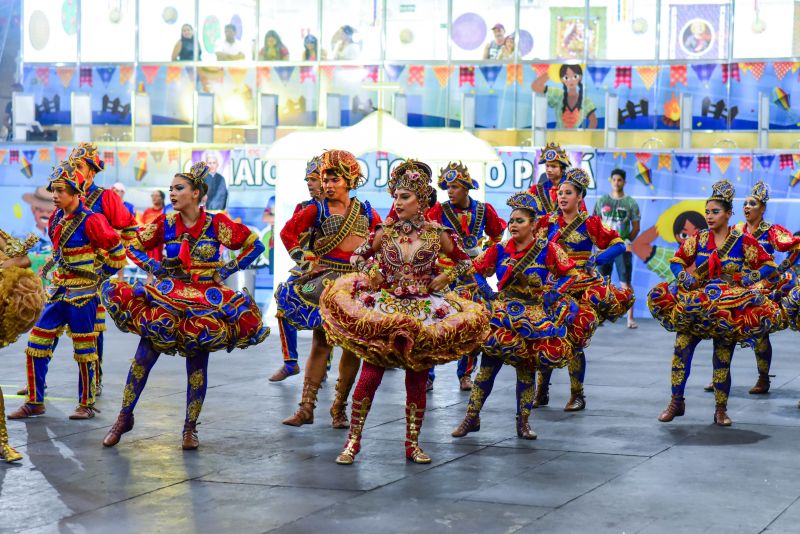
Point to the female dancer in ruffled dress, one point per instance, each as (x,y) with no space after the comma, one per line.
(714,302)
(188,310)
(533,319)
(392,314)
(21,302)
(579,233)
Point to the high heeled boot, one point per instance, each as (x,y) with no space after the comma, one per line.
(308,401)
(353,444)
(7,452)
(414,418)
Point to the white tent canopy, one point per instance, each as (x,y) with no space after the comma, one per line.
(377,132)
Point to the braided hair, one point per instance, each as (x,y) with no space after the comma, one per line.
(579,71)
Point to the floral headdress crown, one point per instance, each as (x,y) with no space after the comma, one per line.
(197,175)
(88,152)
(760,192)
(554,152)
(414,176)
(344,164)
(16,248)
(526,201)
(722,190)
(456,172)
(66,173)
(577,177)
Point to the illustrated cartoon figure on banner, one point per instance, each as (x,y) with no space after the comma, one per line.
(675,225)
(41,203)
(573,108)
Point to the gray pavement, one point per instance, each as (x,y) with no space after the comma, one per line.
(612,468)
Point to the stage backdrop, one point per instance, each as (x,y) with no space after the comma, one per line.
(668,185)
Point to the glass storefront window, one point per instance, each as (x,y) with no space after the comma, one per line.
(351,30)
(167,32)
(416,30)
(483,29)
(104,22)
(754,23)
(228,30)
(628,29)
(557,30)
(289,31)
(49,35)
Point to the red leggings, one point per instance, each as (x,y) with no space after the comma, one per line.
(370,379)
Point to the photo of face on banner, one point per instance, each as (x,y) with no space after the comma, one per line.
(219,173)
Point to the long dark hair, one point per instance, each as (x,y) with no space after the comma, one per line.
(310,39)
(278,43)
(579,71)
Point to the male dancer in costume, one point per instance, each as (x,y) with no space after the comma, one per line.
(288,332)
(470,220)
(82,242)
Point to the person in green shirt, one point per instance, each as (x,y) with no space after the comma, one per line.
(621,213)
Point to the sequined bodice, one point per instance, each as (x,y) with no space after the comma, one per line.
(406,259)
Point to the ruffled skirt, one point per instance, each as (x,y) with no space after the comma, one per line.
(409,332)
(298,298)
(21,302)
(717,310)
(186,318)
(524,332)
(608,301)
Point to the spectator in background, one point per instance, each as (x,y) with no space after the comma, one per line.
(217,197)
(344,47)
(621,213)
(507,52)
(185,48)
(310,48)
(119,189)
(274,49)
(494,47)
(229,49)
(149,215)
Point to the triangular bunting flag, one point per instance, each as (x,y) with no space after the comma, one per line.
(704,164)
(644,157)
(307,74)
(108,158)
(756,68)
(61,153)
(416,75)
(157,155)
(371,73)
(766,160)
(105,74)
(86,77)
(263,75)
(542,68)
(785,161)
(237,75)
(704,72)
(174,154)
(125,74)
(43,75)
(123,156)
(622,155)
(745,163)
(150,72)
(782,68)
(442,73)
(684,161)
(490,73)
(648,74)
(284,73)
(393,71)
(44,154)
(173,74)
(513,74)
(623,76)
(723,162)
(466,75)
(329,71)
(13,156)
(677,74)
(3,153)
(665,162)
(65,74)
(597,74)
(730,71)
(29,154)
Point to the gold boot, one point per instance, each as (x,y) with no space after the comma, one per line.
(339,406)
(353,445)
(308,401)
(7,452)
(414,419)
